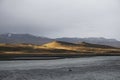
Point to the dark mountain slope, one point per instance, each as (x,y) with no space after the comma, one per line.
(23,38)
(55,44)
(102,41)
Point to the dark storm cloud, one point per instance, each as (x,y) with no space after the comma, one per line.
(56,18)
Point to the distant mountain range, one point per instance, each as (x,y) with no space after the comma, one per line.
(102,41)
(31,39)
(23,38)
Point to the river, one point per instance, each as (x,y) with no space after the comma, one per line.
(84,68)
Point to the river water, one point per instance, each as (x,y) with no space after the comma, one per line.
(85,68)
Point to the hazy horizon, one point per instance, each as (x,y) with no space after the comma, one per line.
(63,18)
(10,34)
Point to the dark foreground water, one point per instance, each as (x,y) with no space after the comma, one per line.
(89,68)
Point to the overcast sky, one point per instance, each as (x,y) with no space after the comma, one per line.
(61,18)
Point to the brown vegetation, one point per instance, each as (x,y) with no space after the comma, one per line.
(57,47)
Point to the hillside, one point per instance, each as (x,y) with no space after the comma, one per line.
(82,47)
(101,41)
(85,44)
(58,44)
(55,49)
(28,49)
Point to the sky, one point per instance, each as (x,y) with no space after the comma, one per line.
(61,18)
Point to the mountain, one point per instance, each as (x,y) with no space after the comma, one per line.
(102,41)
(23,38)
(31,39)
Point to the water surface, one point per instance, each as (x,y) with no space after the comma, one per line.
(86,68)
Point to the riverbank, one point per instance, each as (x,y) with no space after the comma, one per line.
(53,56)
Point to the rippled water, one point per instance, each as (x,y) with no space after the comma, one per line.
(89,68)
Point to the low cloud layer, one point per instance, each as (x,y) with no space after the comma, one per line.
(61,18)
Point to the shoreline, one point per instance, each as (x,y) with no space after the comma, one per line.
(49,56)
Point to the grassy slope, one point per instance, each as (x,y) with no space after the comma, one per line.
(58,48)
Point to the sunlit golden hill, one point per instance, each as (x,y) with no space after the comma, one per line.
(82,47)
(61,45)
(56,47)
